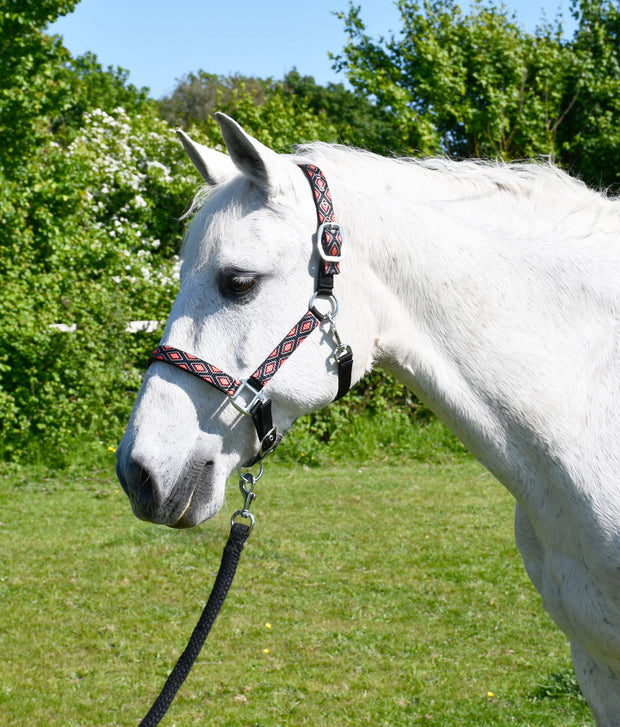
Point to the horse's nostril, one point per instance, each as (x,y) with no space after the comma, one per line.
(138,483)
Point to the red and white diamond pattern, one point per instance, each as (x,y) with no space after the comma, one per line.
(196,366)
(286,347)
(332,244)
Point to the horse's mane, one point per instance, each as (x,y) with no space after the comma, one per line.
(523,179)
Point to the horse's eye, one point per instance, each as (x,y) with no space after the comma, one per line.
(237,285)
(242,285)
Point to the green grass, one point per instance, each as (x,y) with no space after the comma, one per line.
(395,596)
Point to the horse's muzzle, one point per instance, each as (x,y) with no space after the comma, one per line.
(179,506)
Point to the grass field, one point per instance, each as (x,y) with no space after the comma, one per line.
(380,595)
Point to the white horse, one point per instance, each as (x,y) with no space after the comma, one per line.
(492,291)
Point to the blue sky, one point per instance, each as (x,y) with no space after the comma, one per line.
(159,41)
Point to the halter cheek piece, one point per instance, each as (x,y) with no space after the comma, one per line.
(248,395)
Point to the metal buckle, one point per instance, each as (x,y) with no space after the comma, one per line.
(342,352)
(257,396)
(333,228)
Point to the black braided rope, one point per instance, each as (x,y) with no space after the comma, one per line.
(230,559)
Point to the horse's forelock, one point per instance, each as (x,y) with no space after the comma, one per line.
(215,206)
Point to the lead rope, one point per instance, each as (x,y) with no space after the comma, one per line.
(239,533)
(329,244)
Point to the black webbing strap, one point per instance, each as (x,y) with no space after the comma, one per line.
(345,369)
(267,434)
(230,559)
(325,279)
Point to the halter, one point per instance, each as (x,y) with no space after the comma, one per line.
(247,395)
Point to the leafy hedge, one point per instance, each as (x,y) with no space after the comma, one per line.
(87,244)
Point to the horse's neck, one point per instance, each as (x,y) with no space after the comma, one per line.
(444,291)
(479,313)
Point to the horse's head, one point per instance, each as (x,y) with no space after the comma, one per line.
(250,266)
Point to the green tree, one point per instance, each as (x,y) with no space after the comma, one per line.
(34,82)
(93,87)
(357,121)
(463,84)
(88,235)
(197,96)
(266,109)
(589,136)
(43,88)
(477,84)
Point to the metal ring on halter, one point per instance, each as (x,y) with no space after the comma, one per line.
(246,475)
(333,302)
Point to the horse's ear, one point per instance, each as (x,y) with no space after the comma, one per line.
(214,167)
(255,160)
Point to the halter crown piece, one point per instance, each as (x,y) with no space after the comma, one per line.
(248,395)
